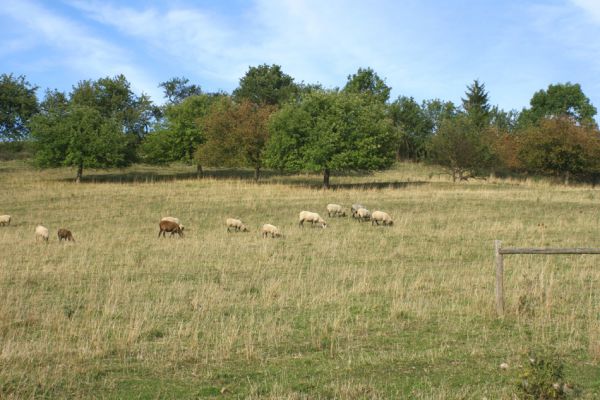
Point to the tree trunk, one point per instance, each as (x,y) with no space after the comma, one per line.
(567,177)
(326,178)
(79,173)
(256,174)
(199,171)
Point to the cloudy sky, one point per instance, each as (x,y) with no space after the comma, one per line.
(423,48)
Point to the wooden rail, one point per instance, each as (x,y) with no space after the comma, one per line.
(500,252)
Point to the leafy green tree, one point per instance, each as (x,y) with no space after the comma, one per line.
(437,111)
(68,134)
(560,100)
(179,134)
(18,103)
(266,85)
(560,148)
(461,149)
(413,127)
(505,121)
(236,135)
(365,80)
(476,105)
(178,89)
(331,131)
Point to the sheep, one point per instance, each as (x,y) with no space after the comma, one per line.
(41,232)
(268,229)
(169,226)
(363,214)
(4,220)
(173,219)
(236,224)
(336,210)
(65,234)
(355,208)
(380,216)
(313,218)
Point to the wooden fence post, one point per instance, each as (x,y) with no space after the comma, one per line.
(499,278)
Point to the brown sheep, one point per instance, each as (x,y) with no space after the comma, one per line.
(169,226)
(65,234)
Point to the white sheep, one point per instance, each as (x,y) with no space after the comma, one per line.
(363,214)
(236,224)
(336,210)
(381,217)
(268,229)
(312,217)
(173,219)
(4,220)
(41,232)
(355,208)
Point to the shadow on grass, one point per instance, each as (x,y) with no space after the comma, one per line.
(266,177)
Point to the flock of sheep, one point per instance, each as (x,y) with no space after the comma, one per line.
(41,232)
(358,211)
(173,226)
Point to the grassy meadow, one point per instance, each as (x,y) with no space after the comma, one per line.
(349,312)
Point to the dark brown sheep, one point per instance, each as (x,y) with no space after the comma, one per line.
(169,226)
(65,234)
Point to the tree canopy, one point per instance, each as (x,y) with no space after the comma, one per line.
(560,100)
(266,84)
(366,81)
(560,148)
(18,103)
(178,89)
(331,131)
(413,127)
(69,134)
(461,149)
(236,135)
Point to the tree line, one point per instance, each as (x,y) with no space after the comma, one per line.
(271,121)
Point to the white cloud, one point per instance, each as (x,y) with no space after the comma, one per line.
(71,46)
(312,40)
(591,7)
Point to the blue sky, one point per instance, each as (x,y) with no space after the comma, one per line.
(423,48)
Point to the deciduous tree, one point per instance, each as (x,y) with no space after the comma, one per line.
(461,149)
(366,81)
(331,131)
(560,100)
(68,134)
(560,148)
(266,84)
(18,103)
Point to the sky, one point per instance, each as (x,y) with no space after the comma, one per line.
(422,48)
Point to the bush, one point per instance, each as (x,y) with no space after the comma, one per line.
(542,378)
(16,150)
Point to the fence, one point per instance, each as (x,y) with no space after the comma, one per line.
(500,252)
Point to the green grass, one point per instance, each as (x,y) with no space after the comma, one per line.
(350,312)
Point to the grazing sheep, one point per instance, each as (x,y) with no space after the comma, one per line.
(268,229)
(355,208)
(336,210)
(170,226)
(173,219)
(4,220)
(313,218)
(363,214)
(236,224)
(41,232)
(65,234)
(380,216)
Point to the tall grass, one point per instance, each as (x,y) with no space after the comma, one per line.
(351,311)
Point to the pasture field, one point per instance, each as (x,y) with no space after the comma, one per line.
(348,312)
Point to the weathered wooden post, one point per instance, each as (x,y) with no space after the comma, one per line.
(499,278)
